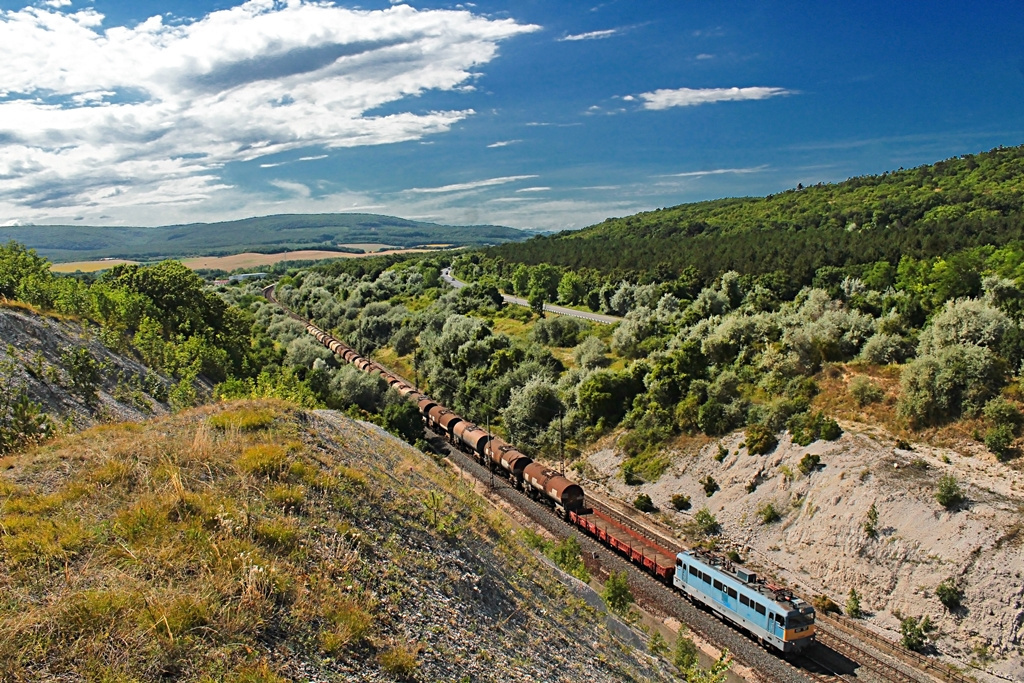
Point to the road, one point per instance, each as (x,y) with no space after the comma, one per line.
(447,276)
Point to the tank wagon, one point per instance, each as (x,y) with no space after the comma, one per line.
(768,612)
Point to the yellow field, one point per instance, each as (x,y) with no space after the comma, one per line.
(229,263)
(86,266)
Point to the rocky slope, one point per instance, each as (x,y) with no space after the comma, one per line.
(74,377)
(254,541)
(819,544)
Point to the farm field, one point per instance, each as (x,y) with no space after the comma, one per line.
(244,260)
(87,266)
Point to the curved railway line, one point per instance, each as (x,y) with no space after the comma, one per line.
(837,655)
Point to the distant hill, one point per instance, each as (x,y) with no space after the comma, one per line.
(964,202)
(263,234)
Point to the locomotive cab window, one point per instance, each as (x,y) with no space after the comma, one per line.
(694,572)
(759,607)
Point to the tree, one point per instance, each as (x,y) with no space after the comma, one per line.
(403,419)
(530,410)
(657,645)
(571,288)
(871,522)
(853,605)
(685,655)
(616,593)
(705,522)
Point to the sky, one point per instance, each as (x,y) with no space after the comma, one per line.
(530,114)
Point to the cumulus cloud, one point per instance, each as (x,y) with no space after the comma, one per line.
(92,115)
(688,97)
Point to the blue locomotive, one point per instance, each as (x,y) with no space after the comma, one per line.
(769,612)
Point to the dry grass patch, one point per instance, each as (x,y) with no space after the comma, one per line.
(244,419)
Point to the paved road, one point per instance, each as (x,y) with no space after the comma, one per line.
(447,276)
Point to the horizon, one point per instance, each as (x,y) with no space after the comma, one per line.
(527,116)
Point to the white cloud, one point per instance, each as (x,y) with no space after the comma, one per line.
(474,185)
(717,171)
(95,115)
(533,189)
(297,189)
(705,55)
(502,143)
(591,35)
(57,3)
(688,97)
(315,157)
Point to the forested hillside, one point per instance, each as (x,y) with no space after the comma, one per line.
(926,212)
(268,234)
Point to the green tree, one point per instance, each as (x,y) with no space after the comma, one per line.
(871,522)
(684,657)
(616,593)
(853,609)
(643,503)
(657,645)
(571,288)
(402,418)
(705,523)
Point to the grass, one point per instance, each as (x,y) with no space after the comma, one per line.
(231,543)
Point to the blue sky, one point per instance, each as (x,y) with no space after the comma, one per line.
(530,114)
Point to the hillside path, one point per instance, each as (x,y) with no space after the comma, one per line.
(447,276)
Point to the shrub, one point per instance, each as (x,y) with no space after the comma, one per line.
(864,391)
(825,604)
(949,594)
(809,463)
(915,632)
(767,513)
(999,440)
(643,503)
(807,428)
(705,523)
(956,380)
(949,494)
(710,485)
(760,439)
(569,558)
(1002,412)
(680,501)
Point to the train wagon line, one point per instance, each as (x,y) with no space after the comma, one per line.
(770,613)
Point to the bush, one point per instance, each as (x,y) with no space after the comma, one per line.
(680,501)
(825,604)
(864,391)
(999,440)
(955,381)
(705,523)
(949,493)
(915,632)
(760,439)
(767,513)
(949,594)
(807,428)
(643,503)
(809,463)
(710,485)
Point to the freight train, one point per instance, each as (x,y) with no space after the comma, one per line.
(770,613)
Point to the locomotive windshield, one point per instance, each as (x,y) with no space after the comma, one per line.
(798,619)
